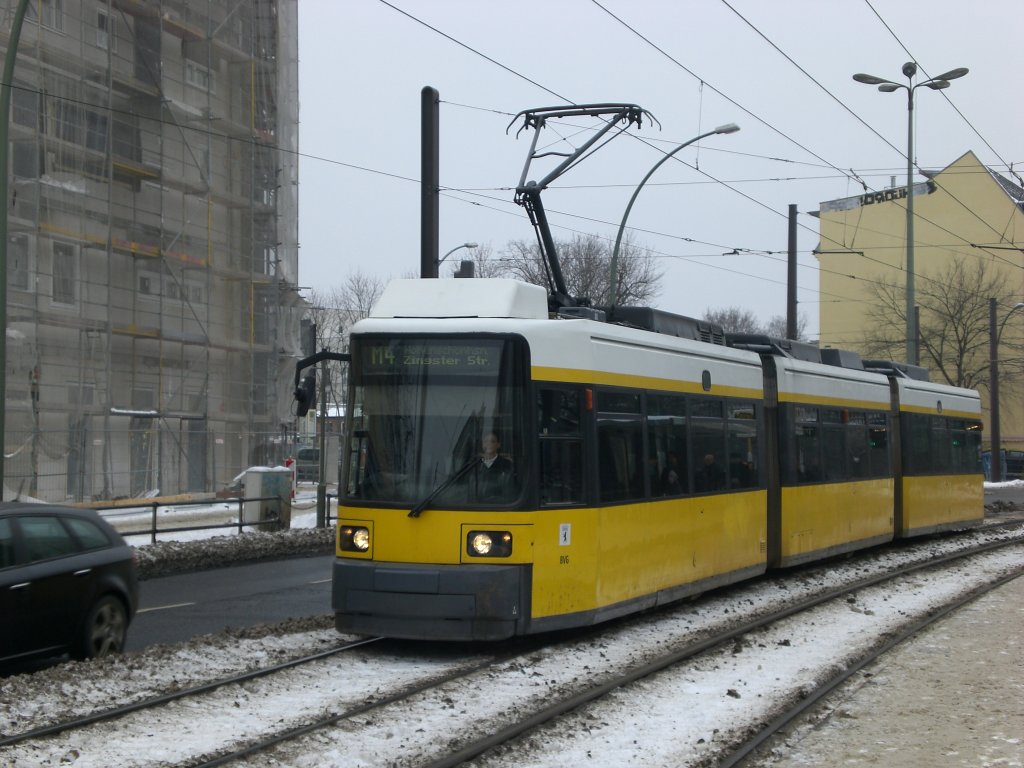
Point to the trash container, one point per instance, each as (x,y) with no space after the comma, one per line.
(272,486)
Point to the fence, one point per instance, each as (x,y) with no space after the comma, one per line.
(145,519)
(107,459)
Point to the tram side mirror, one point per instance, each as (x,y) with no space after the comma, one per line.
(466,269)
(305,394)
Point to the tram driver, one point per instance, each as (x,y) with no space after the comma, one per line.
(494,478)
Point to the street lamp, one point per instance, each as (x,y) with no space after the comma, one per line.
(995,464)
(5,114)
(614,281)
(453,250)
(887,86)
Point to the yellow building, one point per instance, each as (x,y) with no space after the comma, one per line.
(968,248)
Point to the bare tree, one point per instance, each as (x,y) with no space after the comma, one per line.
(734,320)
(585,261)
(777,326)
(954,323)
(335,311)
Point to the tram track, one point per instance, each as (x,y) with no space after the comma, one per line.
(184,693)
(806,700)
(546,691)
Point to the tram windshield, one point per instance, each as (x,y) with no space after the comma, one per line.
(436,419)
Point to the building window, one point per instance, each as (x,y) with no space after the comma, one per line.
(17,261)
(106,28)
(25,107)
(53,14)
(65,273)
(96,131)
(199,76)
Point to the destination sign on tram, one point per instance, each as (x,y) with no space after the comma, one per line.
(443,357)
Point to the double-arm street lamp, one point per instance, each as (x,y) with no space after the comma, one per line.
(614,278)
(888,86)
(994,334)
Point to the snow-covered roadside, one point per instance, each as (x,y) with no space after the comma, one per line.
(184,551)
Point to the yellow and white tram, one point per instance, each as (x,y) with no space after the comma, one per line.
(510,471)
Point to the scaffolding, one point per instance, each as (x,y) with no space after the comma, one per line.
(153,312)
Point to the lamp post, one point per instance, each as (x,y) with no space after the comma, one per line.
(614,278)
(994,334)
(5,114)
(888,86)
(453,250)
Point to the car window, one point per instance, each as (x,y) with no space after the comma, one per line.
(45,537)
(6,543)
(88,533)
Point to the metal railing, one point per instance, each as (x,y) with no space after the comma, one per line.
(128,518)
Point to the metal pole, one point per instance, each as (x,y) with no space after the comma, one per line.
(995,465)
(5,118)
(791,323)
(430,180)
(321,486)
(912,357)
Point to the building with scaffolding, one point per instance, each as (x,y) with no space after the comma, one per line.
(153,312)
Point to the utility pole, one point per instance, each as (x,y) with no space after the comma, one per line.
(791,320)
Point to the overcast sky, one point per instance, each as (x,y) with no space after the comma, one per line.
(781,70)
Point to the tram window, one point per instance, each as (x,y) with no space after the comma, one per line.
(561,471)
(962,460)
(806,467)
(618,402)
(743,411)
(742,436)
(707,407)
(620,458)
(878,445)
(831,416)
(920,453)
(558,411)
(857,444)
(708,462)
(666,445)
(806,415)
(833,448)
(942,445)
(561,445)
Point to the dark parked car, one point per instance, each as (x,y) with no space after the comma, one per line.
(67,583)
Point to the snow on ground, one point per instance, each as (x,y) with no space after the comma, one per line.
(672,719)
(675,718)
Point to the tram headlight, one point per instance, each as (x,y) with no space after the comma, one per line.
(489,543)
(354,538)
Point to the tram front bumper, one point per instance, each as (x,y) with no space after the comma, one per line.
(431,602)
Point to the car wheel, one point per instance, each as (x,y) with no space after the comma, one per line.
(105,629)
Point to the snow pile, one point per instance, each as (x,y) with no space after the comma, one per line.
(165,558)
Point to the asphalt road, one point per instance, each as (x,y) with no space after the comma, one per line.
(177,608)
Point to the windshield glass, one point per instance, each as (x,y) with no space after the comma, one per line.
(430,412)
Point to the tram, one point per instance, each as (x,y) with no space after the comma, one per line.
(518,461)
(512,472)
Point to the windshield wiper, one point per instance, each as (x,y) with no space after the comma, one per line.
(452,478)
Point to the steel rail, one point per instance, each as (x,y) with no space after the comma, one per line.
(156,701)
